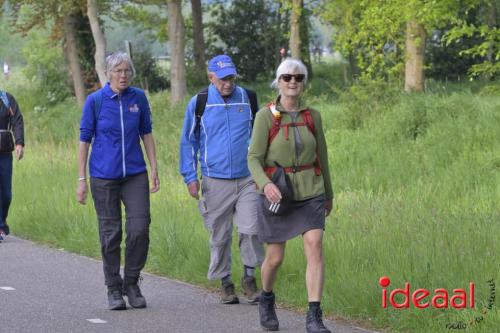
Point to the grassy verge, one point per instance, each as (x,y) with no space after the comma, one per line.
(417,183)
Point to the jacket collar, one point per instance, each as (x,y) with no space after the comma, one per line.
(234,95)
(111,94)
(280,108)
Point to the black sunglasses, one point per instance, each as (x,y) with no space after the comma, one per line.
(288,77)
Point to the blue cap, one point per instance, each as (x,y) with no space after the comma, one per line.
(222,66)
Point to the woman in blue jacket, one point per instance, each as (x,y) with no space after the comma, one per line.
(114,120)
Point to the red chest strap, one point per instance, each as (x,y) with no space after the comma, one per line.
(276,126)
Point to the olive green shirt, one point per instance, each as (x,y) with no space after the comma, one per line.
(306,184)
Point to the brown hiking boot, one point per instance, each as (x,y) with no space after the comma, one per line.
(228,296)
(249,285)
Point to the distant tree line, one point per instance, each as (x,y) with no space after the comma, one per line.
(401,40)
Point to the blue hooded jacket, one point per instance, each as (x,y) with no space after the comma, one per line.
(121,122)
(224,137)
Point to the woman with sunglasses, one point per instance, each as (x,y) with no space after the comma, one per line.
(289,134)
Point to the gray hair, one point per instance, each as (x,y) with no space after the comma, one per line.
(289,66)
(114,60)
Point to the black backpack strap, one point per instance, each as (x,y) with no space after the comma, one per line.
(201,101)
(254,106)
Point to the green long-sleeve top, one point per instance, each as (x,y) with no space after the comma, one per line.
(306,184)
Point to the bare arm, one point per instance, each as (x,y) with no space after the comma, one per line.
(82,189)
(149,145)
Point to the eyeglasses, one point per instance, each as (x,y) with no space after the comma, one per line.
(229,78)
(120,72)
(288,77)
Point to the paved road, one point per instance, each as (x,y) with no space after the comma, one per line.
(46,290)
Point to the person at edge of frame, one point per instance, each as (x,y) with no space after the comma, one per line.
(11,122)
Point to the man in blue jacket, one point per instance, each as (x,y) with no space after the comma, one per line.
(219,138)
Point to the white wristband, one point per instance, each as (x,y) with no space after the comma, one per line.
(81,179)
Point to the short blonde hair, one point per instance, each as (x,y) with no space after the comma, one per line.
(289,66)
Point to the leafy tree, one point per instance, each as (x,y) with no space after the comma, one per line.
(43,66)
(487,31)
(445,60)
(250,31)
(64,17)
(149,76)
(387,35)
(345,17)
(146,16)
(12,43)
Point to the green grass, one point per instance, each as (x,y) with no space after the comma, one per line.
(417,184)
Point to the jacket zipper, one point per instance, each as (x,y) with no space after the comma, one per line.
(229,141)
(123,136)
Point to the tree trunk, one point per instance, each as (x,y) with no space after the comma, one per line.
(353,66)
(198,39)
(279,37)
(176,34)
(415,56)
(305,55)
(100,41)
(295,28)
(71,51)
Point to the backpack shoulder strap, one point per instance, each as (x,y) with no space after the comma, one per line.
(4,98)
(201,101)
(254,106)
(308,119)
(275,128)
(97,96)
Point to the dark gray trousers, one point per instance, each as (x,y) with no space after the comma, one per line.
(108,194)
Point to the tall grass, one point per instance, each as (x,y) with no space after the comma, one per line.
(417,184)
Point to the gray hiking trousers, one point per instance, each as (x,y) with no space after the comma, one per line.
(223,202)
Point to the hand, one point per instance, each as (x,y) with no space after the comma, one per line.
(328,206)
(272,192)
(155,182)
(19,152)
(194,188)
(81,192)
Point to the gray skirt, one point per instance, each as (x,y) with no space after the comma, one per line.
(303,216)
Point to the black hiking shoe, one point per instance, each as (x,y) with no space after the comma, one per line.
(115,298)
(267,313)
(249,286)
(228,296)
(6,228)
(134,296)
(314,322)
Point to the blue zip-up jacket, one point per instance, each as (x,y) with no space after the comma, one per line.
(224,137)
(121,122)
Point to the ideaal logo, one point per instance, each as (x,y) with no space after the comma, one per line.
(439,299)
